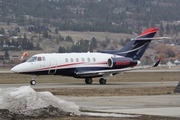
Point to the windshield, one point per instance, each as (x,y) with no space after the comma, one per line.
(32,59)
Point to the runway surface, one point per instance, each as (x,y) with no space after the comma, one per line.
(161,105)
(95,85)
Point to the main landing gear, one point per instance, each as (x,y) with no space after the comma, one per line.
(102,81)
(33,81)
(89,81)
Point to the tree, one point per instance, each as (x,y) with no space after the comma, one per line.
(68,39)
(38,47)
(161,30)
(122,42)
(167,29)
(61,49)
(93,43)
(2,31)
(56,31)
(45,34)
(6,55)
(168,51)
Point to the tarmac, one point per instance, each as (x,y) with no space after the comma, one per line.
(159,105)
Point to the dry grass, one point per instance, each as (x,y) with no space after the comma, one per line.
(98,35)
(144,117)
(110,91)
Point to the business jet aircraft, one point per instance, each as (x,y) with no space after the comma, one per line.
(89,65)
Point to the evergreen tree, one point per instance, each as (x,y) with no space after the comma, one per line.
(2,31)
(167,29)
(93,42)
(6,55)
(68,39)
(38,47)
(45,34)
(61,49)
(161,30)
(56,31)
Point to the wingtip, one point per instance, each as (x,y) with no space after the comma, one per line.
(159,59)
(157,62)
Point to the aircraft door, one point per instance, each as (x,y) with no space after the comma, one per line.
(53,66)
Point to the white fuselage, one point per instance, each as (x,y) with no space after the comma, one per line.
(54,61)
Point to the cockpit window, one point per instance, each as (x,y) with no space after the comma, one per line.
(39,59)
(32,59)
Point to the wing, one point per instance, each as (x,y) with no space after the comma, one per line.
(114,71)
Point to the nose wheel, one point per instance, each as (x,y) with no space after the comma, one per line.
(33,81)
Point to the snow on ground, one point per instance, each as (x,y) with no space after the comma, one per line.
(25,102)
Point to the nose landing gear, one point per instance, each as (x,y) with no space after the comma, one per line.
(33,81)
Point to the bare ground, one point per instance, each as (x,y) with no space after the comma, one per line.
(126,77)
(110,91)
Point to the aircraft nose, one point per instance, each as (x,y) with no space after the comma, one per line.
(14,69)
(17,68)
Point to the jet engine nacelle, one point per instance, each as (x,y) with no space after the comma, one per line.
(121,62)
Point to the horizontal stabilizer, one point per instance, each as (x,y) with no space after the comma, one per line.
(155,38)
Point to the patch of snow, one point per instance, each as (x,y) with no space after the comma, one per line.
(107,115)
(25,100)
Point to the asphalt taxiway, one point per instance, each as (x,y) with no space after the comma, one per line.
(160,105)
(95,85)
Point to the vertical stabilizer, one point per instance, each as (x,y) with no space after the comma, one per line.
(137,46)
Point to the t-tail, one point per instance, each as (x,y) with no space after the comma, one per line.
(137,46)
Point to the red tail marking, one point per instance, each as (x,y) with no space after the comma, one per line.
(150,30)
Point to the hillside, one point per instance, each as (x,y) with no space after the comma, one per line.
(71,25)
(51,45)
(122,16)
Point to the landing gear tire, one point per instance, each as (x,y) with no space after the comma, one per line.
(33,82)
(102,81)
(88,80)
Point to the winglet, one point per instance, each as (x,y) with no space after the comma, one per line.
(157,62)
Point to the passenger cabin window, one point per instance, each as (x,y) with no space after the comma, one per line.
(77,60)
(71,60)
(32,59)
(94,59)
(82,59)
(88,59)
(43,58)
(66,60)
